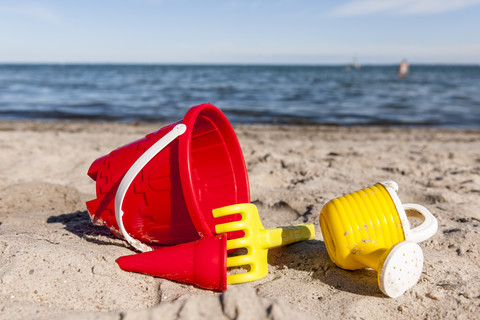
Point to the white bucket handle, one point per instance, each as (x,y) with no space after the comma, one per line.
(428,227)
(134,170)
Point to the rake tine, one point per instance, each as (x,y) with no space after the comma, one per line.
(237,243)
(244,277)
(230,226)
(229,210)
(238,261)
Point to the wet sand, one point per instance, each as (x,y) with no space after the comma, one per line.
(55,264)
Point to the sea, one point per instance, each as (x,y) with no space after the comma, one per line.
(440,96)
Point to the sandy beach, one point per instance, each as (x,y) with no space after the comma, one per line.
(55,264)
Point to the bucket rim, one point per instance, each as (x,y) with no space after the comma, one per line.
(185,165)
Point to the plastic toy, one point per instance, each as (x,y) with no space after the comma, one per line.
(161,189)
(201,262)
(257,240)
(370,229)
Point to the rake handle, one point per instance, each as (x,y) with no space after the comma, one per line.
(277,237)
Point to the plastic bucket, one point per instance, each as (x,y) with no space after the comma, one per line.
(170,198)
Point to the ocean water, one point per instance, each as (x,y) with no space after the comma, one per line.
(430,96)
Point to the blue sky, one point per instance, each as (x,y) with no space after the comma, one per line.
(234,31)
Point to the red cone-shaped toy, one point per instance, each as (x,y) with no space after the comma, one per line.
(202,263)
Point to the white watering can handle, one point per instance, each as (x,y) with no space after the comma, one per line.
(428,227)
(148,155)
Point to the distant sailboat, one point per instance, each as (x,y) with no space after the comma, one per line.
(356,65)
(403,69)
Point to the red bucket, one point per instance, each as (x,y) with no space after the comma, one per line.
(169,198)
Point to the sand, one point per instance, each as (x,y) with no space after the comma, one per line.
(55,264)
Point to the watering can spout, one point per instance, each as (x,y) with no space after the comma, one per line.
(370,255)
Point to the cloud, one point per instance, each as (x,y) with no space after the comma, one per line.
(31,10)
(399,7)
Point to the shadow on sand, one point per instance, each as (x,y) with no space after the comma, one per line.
(311,256)
(79,224)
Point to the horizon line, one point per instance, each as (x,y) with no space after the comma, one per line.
(236,63)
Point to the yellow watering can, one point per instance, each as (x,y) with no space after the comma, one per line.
(370,229)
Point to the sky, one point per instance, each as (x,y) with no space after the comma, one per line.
(240,31)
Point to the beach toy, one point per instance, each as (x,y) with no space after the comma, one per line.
(370,229)
(162,189)
(201,263)
(257,240)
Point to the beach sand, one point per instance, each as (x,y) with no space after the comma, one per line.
(55,264)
